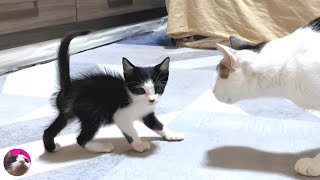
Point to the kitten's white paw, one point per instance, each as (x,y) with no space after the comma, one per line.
(173,136)
(58,147)
(140,146)
(99,147)
(308,166)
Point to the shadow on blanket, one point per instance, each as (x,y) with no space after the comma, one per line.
(75,152)
(245,158)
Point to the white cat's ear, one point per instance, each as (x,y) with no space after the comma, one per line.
(128,67)
(236,42)
(164,65)
(229,60)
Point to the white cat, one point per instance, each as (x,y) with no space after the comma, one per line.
(288,67)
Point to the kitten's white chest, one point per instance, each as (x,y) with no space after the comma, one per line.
(135,111)
(140,109)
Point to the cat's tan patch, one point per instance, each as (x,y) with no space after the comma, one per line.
(225,67)
(223,71)
(229,59)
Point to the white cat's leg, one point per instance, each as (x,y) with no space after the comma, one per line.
(153,123)
(127,128)
(99,147)
(308,166)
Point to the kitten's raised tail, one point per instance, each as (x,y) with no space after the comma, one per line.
(63,59)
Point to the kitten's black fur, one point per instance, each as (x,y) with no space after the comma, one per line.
(95,96)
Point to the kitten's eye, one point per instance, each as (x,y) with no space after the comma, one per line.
(140,90)
(158,89)
(26,160)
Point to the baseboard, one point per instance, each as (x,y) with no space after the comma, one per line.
(20,57)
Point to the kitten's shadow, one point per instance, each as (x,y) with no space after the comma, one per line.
(75,152)
(245,158)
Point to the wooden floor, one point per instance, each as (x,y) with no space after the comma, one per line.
(43,34)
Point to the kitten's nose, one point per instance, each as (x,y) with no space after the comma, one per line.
(151,100)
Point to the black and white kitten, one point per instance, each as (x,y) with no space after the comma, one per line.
(98,98)
(16,165)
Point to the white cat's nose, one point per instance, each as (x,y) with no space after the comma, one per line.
(151,100)
(213,90)
(217,97)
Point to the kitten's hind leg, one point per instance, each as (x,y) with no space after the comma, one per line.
(153,123)
(89,127)
(127,128)
(98,147)
(52,131)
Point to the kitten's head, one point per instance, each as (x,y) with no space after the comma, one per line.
(16,165)
(146,82)
(233,73)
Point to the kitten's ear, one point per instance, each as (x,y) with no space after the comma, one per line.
(164,65)
(8,155)
(128,67)
(236,42)
(229,60)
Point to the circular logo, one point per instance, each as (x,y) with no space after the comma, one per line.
(17,162)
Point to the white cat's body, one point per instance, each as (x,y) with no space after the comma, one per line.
(292,72)
(288,67)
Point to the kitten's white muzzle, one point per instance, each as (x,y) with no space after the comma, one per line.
(153,98)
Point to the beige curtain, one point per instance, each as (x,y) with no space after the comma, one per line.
(253,20)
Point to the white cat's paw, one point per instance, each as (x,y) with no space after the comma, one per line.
(57,148)
(173,136)
(308,166)
(140,146)
(98,147)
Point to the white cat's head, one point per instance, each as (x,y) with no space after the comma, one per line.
(233,72)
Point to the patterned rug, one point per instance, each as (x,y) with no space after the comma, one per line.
(257,139)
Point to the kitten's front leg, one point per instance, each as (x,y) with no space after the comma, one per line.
(153,123)
(131,135)
(308,166)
